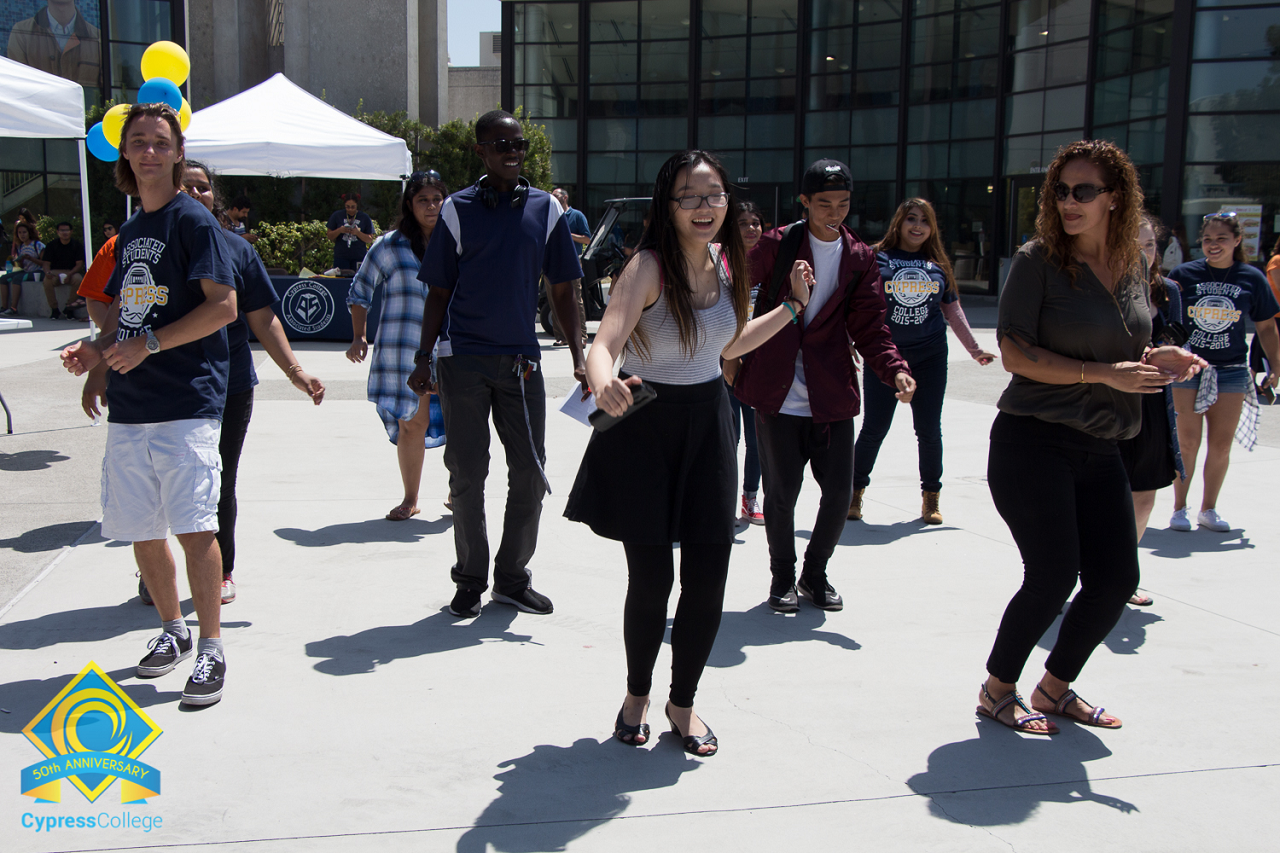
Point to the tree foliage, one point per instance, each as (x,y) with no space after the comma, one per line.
(293,245)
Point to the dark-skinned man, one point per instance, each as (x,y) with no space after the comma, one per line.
(494,241)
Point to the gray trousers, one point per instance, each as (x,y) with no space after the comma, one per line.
(471,388)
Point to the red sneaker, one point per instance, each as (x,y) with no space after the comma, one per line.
(751,510)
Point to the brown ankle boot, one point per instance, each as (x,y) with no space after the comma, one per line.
(855,506)
(929,512)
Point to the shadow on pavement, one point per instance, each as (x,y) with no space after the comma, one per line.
(24,699)
(1124,639)
(93,625)
(1176,544)
(51,538)
(862,533)
(556,794)
(363,532)
(30,460)
(439,632)
(760,626)
(1001,777)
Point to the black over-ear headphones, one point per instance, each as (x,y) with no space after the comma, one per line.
(489,196)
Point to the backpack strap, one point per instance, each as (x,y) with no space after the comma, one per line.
(788,250)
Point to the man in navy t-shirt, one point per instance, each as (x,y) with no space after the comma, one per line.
(581,233)
(351,231)
(494,241)
(165,346)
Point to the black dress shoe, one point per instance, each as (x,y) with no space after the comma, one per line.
(785,603)
(820,594)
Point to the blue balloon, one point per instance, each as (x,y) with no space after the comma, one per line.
(158,90)
(99,146)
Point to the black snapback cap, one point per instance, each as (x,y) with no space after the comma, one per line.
(826,175)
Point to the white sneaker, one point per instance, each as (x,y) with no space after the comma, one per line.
(1210,520)
(1180,520)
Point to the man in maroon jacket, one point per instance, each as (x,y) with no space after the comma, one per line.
(802,383)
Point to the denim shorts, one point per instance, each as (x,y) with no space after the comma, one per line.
(1235,379)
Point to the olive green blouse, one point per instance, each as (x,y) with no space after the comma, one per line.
(1040,305)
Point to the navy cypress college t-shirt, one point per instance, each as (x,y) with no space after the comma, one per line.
(491,260)
(1214,305)
(161,258)
(914,290)
(253,291)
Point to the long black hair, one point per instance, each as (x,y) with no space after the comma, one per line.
(408,224)
(662,237)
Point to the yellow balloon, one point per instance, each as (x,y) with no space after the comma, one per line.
(113,123)
(184,115)
(168,60)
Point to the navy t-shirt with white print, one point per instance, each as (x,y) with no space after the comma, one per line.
(491,260)
(1214,305)
(914,290)
(253,291)
(161,258)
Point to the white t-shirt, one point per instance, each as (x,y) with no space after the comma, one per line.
(826,273)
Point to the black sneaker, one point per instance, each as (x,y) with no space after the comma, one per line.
(143,594)
(465,604)
(56,315)
(820,594)
(204,687)
(785,603)
(526,600)
(166,651)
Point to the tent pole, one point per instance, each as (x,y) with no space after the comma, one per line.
(84,210)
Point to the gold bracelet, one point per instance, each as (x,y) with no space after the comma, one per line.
(1082,380)
(293,368)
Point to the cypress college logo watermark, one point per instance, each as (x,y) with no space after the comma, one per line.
(91,734)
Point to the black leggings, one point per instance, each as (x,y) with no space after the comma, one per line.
(235,426)
(1066,499)
(650,574)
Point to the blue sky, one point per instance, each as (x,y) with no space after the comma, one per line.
(467,19)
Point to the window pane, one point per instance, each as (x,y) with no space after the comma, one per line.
(871,126)
(724,17)
(1037,22)
(721,132)
(1066,64)
(664,99)
(551,22)
(1230,86)
(612,101)
(1135,49)
(772,96)
(724,58)
(721,98)
(564,167)
(664,134)
(62,155)
(832,13)
(1236,34)
(930,7)
(831,50)
(972,119)
(664,60)
(977,78)
(615,63)
(144,21)
(1119,13)
(611,134)
(972,159)
(771,131)
(928,161)
(664,19)
(931,83)
(1021,153)
(980,32)
(126,76)
(1064,108)
(22,155)
(773,55)
(615,21)
(1146,142)
(870,163)
(931,39)
(648,167)
(771,166)
(773,16)
(1232,138)
(873,11)
(611,168)
(826,128)
(1024,113)
(542,64)
(549,101)
(830,91)
(561,133)
(1028,70)
(879,46)
(929,123)
(876,88)
(871,208)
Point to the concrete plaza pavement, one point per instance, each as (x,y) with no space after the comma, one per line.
(359,715)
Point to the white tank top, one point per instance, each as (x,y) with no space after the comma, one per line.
(667,361)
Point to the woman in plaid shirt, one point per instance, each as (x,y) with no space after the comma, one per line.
(393,261)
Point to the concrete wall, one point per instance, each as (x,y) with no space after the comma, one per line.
(230,48)
(474,91)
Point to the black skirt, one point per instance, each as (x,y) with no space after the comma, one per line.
(665,474)
(1148,456)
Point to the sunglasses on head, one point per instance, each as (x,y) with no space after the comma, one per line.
(1083,193)
(505,146)
(423,177)
(1226,216)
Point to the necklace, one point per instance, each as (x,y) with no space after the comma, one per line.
(1225,273)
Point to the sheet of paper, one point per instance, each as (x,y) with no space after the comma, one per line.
(577,408)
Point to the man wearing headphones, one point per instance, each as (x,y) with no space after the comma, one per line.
(493,242)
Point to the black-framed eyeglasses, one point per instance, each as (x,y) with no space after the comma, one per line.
(1083,193)
(423,177)
(505,146)
(1225,216)
(693,202)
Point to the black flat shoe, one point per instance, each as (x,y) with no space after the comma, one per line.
(620,729)
(691,743)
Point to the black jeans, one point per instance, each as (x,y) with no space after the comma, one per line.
(1066,499)
(235,426)
(787,443)
(929,368)
(650,574)
(471,388)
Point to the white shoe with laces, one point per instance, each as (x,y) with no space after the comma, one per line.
(1210,520)
(1179,521)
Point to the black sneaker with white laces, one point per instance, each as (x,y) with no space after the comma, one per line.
(465,604)
(527,600)
(784,601)
(820,594)
(204,687)
(165,652)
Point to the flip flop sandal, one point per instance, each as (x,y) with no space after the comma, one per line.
(402,513)
(1139,599)
(640,730)
(1019,724)
(1093,719)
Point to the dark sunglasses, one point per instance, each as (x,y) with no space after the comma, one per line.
(422,177)
(504,146)
(1226,216)
(1083,193)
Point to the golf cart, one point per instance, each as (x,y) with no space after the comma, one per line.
(619,228)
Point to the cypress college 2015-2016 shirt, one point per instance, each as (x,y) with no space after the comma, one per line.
(914,290)
(1214,305)
(163,255)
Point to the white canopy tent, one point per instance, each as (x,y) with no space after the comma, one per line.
(37,105)
(278,129)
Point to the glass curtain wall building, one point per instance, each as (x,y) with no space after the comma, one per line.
(963,102)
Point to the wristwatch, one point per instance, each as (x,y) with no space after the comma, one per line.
(421,354)
(153,343)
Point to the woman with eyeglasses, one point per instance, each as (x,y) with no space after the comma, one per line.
(1074,330)
(1218,292)
(667,472)
(923,300)
(393,264)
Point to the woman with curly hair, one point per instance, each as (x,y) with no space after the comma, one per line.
(1074,327)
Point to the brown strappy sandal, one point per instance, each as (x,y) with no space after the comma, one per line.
(1094,718)
(1019,724)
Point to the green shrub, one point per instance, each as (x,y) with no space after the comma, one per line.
(47,228)
(294,245)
